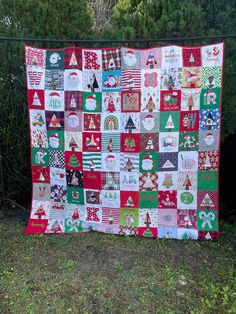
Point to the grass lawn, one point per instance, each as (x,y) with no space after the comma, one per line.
(99,273)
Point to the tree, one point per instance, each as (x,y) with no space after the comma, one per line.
(187,183)
(147,221)
(40,212)
(150,105)
(130,125)
(129,165)
(73,145)
(73,161)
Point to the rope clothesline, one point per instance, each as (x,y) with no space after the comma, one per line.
(72,41)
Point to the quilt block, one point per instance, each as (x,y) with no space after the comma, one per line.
(125,141)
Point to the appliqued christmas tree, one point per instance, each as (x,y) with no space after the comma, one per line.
(207,163)
(72,102)
(187,183)
(111,107)
(73,161)
(207,202)
(55,227)
(150,106)
(149,144)
(129,165)
(147,220)
(92,125)
(148,185)
(73,60)
(148,233)
(55,122)
(73,145)
(129,202)
(208,236)
(110,182)
(129,142)
(169,124)
(36,100)
(191,59)
(130,125)
(40,212)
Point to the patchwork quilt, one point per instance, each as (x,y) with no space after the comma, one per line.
(125,141)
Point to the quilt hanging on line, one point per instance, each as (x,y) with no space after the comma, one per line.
(125,141)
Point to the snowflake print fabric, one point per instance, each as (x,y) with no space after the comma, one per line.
(125,141)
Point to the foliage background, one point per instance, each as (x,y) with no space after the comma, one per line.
(101,19)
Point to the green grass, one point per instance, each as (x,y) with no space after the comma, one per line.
(98,273)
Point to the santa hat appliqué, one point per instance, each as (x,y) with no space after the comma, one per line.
(54,94)
(147,157)
(72,114)
(149,116)
(91,97)
(129,52)
(54,135)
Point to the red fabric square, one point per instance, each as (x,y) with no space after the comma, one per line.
(130,143)
(36,99)
(92,142)
(147,232)
(40,174)
(167,199)
(129,199)
(73,160)
(191,57)
(189,120)
(73,58)
(170,100)
(92,180)
(36,226)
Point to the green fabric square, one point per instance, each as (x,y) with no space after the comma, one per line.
(188,141)
(56,140)
(75,195)
(207,219)
(210,98)
(72,226)
(207,180)
(148,162)
(169,121)
(129,214)
(148,199)
(92,102)
(55,59)
(40,157)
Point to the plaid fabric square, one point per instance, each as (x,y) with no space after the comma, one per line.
(110,180)
(111,59)
(73,100)
(73,58)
